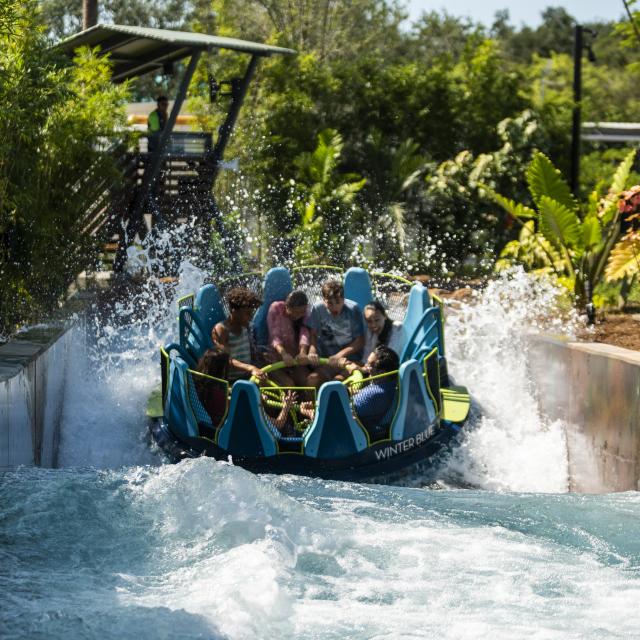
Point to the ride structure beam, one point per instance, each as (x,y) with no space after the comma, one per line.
(238,94)
(152,171)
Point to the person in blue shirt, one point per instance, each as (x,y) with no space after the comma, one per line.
(337,333)
(372,402)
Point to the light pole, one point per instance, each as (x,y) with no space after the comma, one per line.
(89,13)
(578,47)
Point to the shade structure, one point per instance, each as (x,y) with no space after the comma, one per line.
(139,50)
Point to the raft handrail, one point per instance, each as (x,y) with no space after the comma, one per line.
(272,401)
(402,279)
(241,275)
(425,375)
(440,303)
(188,300)
(328,267)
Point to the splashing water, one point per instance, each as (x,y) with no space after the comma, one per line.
(113,370)
(206,550)
(509,445)
(117,546)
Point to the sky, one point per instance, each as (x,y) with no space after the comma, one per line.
(520,11)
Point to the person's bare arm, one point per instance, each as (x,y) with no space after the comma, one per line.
(220,336)
(350,349)
(288,401)
(312,354)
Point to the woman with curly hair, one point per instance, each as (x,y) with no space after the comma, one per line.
(232,334)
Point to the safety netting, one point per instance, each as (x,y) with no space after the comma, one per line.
(393,292)
(209,398)
(311,278)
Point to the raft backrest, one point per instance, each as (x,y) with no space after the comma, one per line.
(416,410)
(419,302)
(334,432)
(357,286)
(210,307)
(426,336)
(178,410)
(194,338)
(244,432)
(277,286)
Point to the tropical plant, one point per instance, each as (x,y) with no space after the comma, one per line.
(624,261)
(324,199)
(55,121)
(571,239)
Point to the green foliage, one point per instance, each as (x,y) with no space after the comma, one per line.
(624,261)
(457,213)
(446,98)
(325,201)
(545,180)
(582,235)
(54,123)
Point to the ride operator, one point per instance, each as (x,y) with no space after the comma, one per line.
(157,121)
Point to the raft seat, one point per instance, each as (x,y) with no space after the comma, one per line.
(334,432)
(277,286)
(357,286)
(210,307)
(416,410)
(245,432)
(179,410)
(194,338)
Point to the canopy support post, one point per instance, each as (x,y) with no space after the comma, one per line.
(239,92)
(152,171)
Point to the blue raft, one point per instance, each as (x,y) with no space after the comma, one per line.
(426,413)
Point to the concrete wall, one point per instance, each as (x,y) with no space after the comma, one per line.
(32,374)
(595,388)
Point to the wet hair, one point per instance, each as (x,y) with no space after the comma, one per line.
(214,363)
(332,290)
(385,334)
(386,360)
(240,298)
(297,299)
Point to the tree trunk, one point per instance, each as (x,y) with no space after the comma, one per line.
(89,13)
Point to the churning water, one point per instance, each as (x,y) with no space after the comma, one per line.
(116,544)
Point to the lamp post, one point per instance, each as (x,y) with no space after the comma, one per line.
(578,47)
(89,13)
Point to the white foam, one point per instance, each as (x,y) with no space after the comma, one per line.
(511,447)
(111,377)
(340,561)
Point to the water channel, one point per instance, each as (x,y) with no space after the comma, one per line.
(489,543)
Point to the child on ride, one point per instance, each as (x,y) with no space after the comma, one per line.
(289,338)
(214,363)
(232,335)
(213,393)
(372,401)
(337,332)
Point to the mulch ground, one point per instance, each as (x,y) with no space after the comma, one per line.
(619,329)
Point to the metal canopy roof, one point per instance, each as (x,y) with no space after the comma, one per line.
(138,50)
